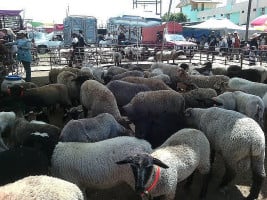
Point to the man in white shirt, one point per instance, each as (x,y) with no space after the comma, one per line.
(109,39)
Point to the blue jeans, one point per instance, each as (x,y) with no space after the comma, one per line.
(27,67)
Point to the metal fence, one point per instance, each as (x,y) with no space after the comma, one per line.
(104,55)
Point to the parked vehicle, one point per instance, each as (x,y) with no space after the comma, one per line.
(45,42)
(168,36)
(74,23)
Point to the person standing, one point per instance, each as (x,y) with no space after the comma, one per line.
(109,39)
(235,45)
(81,45)
(121,38)
(229,42)
(24,55)
(212,41)
(75,51)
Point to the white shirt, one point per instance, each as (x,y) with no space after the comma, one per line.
(75,40)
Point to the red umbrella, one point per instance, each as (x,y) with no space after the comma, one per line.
(259,21)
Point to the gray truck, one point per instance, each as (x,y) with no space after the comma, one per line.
(74,23)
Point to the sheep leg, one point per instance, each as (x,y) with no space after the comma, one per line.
(256,186)
(212,156)
(258,175)
(85,111)
(205,184)
(229,175)
(189,181)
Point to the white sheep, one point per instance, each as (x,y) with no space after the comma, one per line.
(259,89)
(117,57)
(238,138)
(40,187)
(98,128)
(167,55)
(180,155)
(93,165)
(248,104)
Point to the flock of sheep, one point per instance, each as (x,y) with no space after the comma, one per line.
(149,128)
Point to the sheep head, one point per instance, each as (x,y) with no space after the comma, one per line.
(142,167)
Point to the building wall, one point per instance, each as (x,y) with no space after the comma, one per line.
(236,12)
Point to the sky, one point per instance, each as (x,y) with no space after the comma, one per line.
(54,11)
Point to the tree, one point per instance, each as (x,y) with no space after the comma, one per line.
(177,17)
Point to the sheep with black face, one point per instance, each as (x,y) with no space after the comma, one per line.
(179,156)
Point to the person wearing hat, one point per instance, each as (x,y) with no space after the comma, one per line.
(212,42)
(254,40)
(252,55)
(24,55)
(235,46)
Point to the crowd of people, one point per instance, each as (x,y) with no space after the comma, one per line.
(231,44)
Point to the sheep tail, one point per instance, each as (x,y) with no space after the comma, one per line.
(258,146)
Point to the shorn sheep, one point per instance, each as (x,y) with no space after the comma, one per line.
(92,165)
(40,187)
(153,84)
(117,57)
(216,82)
(101,127)
(125,91)
(259,89)
(97,98)
(238,138)
(22,129)
(156,114)
(180,155)
(47,95)
(248,104)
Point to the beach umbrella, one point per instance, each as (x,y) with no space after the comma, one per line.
(259,21)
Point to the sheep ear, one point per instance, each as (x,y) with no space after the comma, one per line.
(125,161)
(187,112)
(160,163)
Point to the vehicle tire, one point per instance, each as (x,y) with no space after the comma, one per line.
(42,49)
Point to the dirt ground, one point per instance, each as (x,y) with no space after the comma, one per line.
(237,190)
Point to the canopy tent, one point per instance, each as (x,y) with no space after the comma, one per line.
(36,24)
(10,12)
(216,24)
(136,21)
(11,19)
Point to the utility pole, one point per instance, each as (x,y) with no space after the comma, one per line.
(169,11)
(248,19)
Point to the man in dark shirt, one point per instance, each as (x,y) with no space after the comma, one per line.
(121,38)
(81,44)
(212,41)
